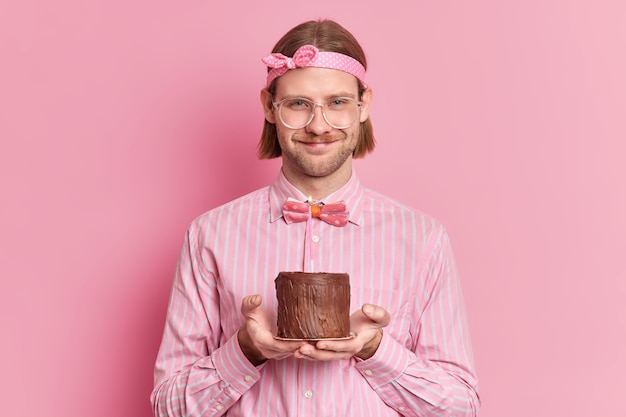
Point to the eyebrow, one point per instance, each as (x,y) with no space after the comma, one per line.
(327,97)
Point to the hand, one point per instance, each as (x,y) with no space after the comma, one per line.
(255,336)
(367,323)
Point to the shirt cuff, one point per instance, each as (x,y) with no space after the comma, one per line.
(234,368)
(387,364)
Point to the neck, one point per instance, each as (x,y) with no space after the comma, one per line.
(319,188)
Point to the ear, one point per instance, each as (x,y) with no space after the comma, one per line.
(366,99)
(268,107)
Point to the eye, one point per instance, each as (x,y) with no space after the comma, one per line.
(297,104)
(338,103)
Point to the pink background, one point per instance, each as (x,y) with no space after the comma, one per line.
(121,121)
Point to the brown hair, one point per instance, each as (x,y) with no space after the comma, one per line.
(327,36)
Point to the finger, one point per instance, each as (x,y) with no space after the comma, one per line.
(311,353)
(285,348)
(376,314)
(249,303)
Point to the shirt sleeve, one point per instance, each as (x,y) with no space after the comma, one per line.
(195,375)
(435,376)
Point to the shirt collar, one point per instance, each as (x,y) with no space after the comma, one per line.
(351,193)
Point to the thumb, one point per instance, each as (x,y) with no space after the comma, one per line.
(377,314)
(250,303)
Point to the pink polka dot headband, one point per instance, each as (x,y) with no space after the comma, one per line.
(310,56)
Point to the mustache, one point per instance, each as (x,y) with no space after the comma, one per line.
(317,139)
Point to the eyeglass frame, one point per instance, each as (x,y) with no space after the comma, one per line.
(277,105)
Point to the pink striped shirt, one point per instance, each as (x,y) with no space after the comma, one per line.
(396,257)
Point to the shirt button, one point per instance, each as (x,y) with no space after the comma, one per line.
(247,378)
(401,408)
(368,372)
(308,394)
(316,239)
(219,407)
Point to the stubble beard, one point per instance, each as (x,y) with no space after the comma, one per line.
(312,166)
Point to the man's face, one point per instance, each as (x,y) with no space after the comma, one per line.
(317,150)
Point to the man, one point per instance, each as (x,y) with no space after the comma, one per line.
(411,355)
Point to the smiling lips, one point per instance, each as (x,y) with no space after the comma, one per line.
(317,140)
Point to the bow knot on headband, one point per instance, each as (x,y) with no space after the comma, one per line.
(301,58)
(310,56)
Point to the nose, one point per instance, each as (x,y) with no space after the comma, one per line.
(318,125)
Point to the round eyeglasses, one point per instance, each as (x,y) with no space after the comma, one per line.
(338,112)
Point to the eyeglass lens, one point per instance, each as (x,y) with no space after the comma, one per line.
(339,112)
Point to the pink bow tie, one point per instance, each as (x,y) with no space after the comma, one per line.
(334,213)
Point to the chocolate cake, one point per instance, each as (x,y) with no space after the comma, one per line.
(313,305)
